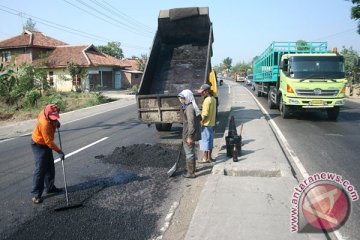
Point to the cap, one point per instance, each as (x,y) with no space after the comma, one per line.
(204,87)
(52,111)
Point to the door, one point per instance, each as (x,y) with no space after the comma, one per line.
(117,80)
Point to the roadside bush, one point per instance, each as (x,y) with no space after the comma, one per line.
(96,99)
(134,89)
(55,98)
(31,98)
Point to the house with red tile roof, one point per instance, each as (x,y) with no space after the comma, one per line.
(131,75)
(102,71)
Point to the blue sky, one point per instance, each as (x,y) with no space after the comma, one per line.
(242,29)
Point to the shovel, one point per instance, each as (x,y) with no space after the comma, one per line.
(174,168)
(68,206)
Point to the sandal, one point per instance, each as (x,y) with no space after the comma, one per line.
(204,161)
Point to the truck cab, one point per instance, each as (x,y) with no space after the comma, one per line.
(312,81)
(297,77)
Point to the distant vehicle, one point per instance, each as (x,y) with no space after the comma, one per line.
(240,76)
(249,79)
(300,79)
(253,85)
(221,82)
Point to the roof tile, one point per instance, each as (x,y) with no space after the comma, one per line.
(31,39)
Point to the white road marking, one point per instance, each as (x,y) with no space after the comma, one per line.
(29,133)
(289,149)
(95,114)
(6,140)
(80,149)
(167,220)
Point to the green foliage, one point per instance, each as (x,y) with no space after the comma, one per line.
(55,98)
(31,97)
(352,69)
(30,25)
(227,63)
(8,79)
(240,67)
(112,49)
(302,45)
(134,89)
(75,70)
(141,62)
(98,99)
(355,12)
(15,82)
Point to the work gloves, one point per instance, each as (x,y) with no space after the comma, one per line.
(61,155)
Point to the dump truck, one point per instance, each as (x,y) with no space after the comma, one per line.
(180,58)
(301,77)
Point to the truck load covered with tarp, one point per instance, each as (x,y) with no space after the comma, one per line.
(180,59)
(301,76)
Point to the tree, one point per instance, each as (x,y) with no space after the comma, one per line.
(77,73)
(240,67)
(16,82)
(352,68)
(302,45)
(112,49)
(227,63)
(355,12)
(30,26)
(140,62)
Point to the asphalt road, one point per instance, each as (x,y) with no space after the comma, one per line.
(327,146)
(120,201)
(89,180)
(132,203)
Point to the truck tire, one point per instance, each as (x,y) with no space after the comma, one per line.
(271,104)
(158,127)
(284,110)
(333,113)
(258,93)
(163,127)
(166,127)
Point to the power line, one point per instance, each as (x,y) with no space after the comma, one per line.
(133,24)
(335,34)
(127,18)
(115,21)
(64,28)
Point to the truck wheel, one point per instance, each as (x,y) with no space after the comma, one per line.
(163,127)
(333,113)
(271,104)
(159,127)
(166,127)
(284,110)
(258,93)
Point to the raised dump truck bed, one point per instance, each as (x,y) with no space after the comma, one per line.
(179,59)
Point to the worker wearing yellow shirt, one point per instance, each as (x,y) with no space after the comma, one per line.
(208,115)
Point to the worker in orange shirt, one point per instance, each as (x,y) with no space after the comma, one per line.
(42,145)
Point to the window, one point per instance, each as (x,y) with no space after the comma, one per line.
(76,81)
(5,56)
(51,79)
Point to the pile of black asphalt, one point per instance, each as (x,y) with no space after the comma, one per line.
(128,203)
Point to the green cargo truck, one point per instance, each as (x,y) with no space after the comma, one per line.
(301,77)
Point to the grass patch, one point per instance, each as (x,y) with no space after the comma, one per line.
(68,101)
